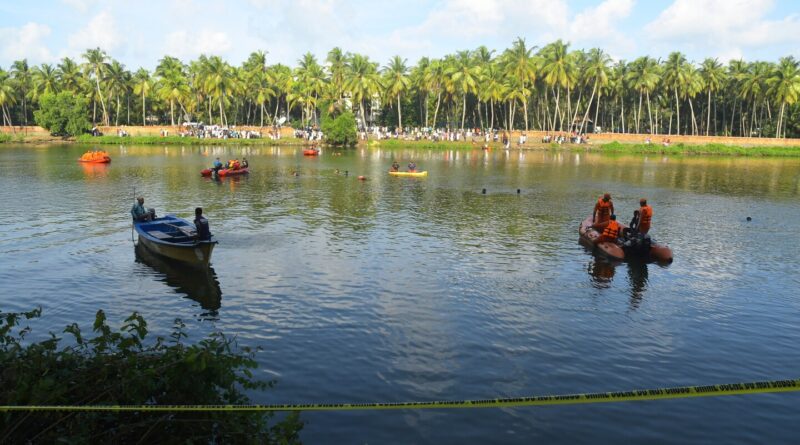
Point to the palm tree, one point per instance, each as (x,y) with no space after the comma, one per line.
(784,87)
(45,81)
(219,82)
(713,75)
(21,73)
(597,68)
(97,65)
(753,87)
(117,80)
(69,75)
(464,74)
(142,85)
(311,82)
(643,77)
(492,88)
(675,78)
(519,64)
(173,86)
(362,82)
(337,66)
(7,93)
(396,81)
(557,71)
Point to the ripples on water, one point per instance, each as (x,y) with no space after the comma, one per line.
(398,289)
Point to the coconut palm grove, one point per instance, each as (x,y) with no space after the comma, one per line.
(548,88)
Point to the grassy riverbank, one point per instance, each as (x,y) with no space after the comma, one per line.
(684,149)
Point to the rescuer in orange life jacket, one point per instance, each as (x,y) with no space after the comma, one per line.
(602,211)
(611,232)
(645,216)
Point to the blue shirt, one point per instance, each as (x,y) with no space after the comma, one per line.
(137,211)
(217,164)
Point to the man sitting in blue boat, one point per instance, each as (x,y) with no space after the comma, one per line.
(201,223)
(139,213)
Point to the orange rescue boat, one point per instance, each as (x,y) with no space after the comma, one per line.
(95,157)
(634,247)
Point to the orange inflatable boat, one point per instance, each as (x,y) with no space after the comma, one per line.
(95,157)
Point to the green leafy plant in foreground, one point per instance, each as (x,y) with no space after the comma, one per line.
(117,367)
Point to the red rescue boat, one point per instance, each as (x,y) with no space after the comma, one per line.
(225,172)
(311,152)
(635,247)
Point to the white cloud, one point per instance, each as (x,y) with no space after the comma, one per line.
(722,27)
(598,26)
(183,44)
(80,5)
(25,42)
(101,31)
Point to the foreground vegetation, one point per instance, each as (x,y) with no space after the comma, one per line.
(550,88)
(120,367)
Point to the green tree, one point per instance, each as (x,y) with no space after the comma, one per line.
(21,73)
(96,65)
(396,81)
(784,87)
(6,96)
(713,75)
(340,130)
(143,85)
(63,114)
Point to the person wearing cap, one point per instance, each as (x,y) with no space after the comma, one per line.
(603,209)
(611,232)
(645,216)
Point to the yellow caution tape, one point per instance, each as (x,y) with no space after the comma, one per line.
(568,399)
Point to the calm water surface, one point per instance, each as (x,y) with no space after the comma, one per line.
(400,289)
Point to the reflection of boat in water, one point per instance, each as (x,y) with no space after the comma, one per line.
(200,285)
(174,238)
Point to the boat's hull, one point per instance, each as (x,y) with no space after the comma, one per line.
(589,235)
(104,160)
(225,172)
(198,254)
(411,174)
(310,152)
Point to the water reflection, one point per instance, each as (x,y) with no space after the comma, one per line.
(637,277)
(601,272)
(198,284)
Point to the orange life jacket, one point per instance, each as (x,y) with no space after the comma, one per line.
(645,215)
(612,230)
(603,208)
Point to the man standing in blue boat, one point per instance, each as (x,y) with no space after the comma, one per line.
(200,221)
(139,213)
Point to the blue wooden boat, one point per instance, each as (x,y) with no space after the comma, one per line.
(174,238)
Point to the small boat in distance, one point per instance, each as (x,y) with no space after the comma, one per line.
(174,238)
(95,157)
(416,174)
(311,152)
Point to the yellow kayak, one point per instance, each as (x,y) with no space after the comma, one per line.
(425,173)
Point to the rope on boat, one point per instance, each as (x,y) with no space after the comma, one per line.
(680,392)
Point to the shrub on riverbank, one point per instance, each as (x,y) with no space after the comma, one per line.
(63,114)
(117,367)
(5,138)
(341,130)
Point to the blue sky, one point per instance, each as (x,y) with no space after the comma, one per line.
(138,33)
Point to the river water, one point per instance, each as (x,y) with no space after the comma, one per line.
(405,289)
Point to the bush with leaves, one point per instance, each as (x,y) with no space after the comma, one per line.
(120,368)
(63,114)
(340,130)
